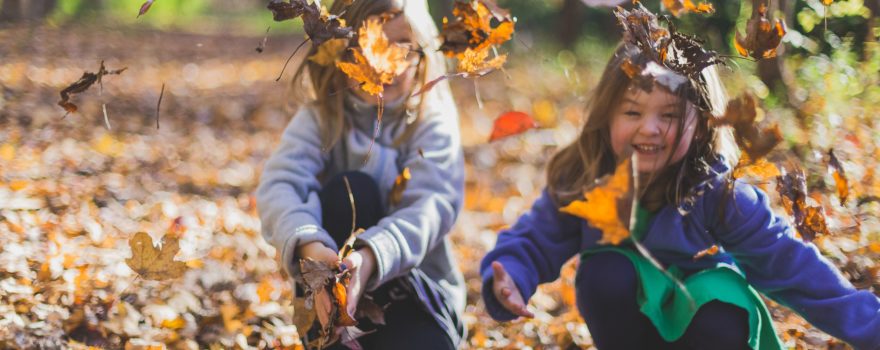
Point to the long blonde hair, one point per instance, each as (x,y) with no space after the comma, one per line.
(325,87)
(577,166)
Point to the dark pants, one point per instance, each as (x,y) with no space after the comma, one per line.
(408,325)
(606,297)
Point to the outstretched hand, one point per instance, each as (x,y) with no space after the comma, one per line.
(507,293)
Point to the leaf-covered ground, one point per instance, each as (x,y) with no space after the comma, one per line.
(72,192)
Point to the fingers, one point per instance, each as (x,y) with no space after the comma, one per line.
(498,272)
(507,293)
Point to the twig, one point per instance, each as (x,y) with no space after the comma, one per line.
(291,57)
(159,104)
(106,120)
(351,200)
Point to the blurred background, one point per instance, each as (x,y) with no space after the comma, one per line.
(74,188)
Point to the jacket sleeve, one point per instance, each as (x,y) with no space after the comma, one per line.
(430,202)
(532,251)
(287,197)
(793,272)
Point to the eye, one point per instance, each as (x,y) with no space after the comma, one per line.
(632,113)
(670,115)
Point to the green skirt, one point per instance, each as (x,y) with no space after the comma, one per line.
(671,311)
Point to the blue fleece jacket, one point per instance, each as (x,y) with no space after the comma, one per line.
(762,244)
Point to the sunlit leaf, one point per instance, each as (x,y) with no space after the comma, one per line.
(840,180)
(763,35)
(154,263)
(511,123)
(607,205)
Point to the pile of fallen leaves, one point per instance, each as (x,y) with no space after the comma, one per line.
(135,237)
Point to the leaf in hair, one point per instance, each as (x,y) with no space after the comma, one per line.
(608,205)
(763,35)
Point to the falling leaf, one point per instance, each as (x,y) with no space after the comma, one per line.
(762,35)
(329,52)
(376,60)
(84,83)
(476,62)
(399,186)
(679,7)
(607,206)
(741,114)
(472,27)
(145,7)
(152,263)
(707,252)
(808,220)
(511,123)
(839,174)
(318,27)
(760,169)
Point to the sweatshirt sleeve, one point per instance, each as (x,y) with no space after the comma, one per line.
(287,197)
(430,202)
(793,272)
(532,251)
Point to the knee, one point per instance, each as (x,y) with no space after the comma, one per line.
(605,279)
(724,325)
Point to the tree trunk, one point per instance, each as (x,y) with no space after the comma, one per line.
(23,10)
(571,16)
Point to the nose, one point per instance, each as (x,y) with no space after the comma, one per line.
(651,125)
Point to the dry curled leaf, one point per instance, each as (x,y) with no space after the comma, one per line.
(471,27)
(760,169)
(511,123)
(145,7)
(741,114)
(303,317)
(476,63)
(808,220)
(763,36)
(399,186)
(84,83)
(840,180)
(607,206)
(679,7)
(152,263)
(319,25)
(376,60)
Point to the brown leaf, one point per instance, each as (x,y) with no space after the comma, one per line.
(741,113)
(318,25)
(152,263)
(762,35)
(84,83)
(316,274)
(399,186)
(303,317)
(471,27)
(839,174)
(145,7)
(323,307)
(808,220)
(372,311)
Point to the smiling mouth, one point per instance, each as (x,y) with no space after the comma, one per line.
(648,149)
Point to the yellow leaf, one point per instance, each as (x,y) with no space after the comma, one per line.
(329,52)
(264,290)
(152,263)
(176,323)
(601,205)
(474,62)
(108,146)
(377,61)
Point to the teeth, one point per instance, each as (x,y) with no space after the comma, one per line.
(647,148)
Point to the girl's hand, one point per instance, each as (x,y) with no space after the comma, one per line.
(317,251)
(362,264)
(507,293)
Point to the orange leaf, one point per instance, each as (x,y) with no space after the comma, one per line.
(151,263)
(840,179)
(606,206)
(476,62)
(678,7)
(760,169)
(344,318)
(511,123)
(707,252)
(264,290)
(377,61)
(329,51)
(762,35)
(472,27)
(741,114)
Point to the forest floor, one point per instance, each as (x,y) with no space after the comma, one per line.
(74,189)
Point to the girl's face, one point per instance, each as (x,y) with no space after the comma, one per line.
(646,123)
(400,33)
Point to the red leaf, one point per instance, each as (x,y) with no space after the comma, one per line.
(145,7)
(511,123)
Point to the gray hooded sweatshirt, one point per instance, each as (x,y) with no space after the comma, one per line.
(413,235)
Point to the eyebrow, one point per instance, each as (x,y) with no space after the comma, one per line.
(627,99)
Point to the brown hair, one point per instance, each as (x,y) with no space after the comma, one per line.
(325,88)
(577,166)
